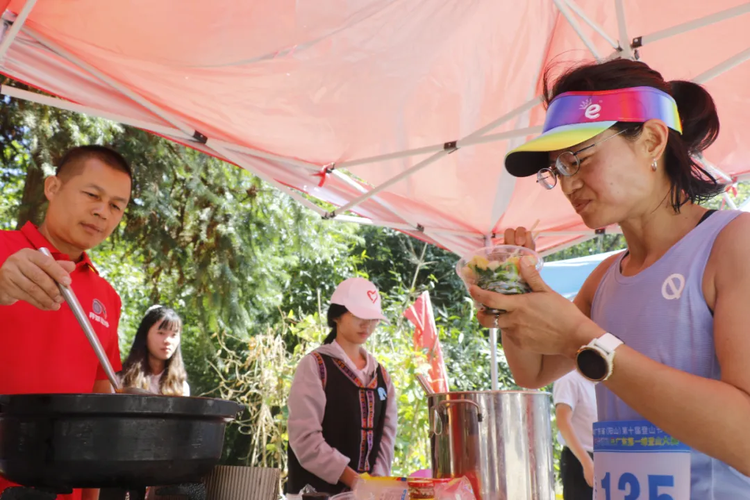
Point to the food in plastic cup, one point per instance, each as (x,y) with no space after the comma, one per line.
(497,269)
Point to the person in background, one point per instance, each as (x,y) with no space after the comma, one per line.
(342,404)
(575,409)
(42,347)
(155,360)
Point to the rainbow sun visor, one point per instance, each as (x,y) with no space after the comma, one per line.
(576,117)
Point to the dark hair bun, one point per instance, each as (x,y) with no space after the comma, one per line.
(700,121)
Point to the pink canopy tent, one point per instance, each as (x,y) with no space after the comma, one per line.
(394,112)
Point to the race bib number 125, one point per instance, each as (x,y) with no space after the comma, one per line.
(634,460)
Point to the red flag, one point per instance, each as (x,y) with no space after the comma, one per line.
(426,338)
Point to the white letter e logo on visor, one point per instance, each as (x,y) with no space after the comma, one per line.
(593,111)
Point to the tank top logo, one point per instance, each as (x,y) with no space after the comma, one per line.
(673,286)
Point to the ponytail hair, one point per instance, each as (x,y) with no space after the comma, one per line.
(335,311)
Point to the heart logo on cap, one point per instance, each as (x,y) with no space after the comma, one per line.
(373,296)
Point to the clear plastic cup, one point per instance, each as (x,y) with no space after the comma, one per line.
(497,269)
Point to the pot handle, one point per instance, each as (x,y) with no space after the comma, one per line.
(443,405)
(436,417)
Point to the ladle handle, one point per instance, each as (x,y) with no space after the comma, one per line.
(80,315)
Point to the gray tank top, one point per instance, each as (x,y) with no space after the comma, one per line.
(661,312)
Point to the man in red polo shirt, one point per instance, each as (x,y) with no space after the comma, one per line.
(42,347)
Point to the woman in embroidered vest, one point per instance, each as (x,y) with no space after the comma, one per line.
(342,404)
(625,146)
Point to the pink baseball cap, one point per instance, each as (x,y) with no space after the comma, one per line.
(360,297)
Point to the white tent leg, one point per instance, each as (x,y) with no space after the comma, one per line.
(627,50)
(580,13)
(723,67)
(10,36)
(694,24)
(493,340)
(577,28)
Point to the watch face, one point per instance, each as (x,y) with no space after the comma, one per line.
(592,364)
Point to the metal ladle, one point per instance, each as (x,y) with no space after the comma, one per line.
(80,315)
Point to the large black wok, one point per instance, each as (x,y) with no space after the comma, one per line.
(67,441)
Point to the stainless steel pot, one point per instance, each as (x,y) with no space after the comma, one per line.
(500,440)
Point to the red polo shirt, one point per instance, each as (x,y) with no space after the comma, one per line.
(47,351)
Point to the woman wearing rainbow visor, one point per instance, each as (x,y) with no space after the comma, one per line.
(662,325)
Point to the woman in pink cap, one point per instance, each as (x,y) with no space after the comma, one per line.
(342,404)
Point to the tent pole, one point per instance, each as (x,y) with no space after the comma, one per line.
(438,147)
(262,154)
(390,182)
(493,338)
(10,36)
(237,159)
(413,226)
(575,8)
(723,67)
(577,28)
(468,140)
(729,201)
(404,227)
(447,149)
(77,108)
(151,127)
(693,25)
(189,132)
(627,50)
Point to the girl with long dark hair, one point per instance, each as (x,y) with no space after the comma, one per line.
(155,360)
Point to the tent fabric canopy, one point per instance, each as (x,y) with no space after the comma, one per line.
(323,97)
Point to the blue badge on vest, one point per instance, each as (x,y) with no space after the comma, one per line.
(382,393)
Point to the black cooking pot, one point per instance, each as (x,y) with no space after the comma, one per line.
(110,440)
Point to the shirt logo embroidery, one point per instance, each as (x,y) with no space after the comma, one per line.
(99,313)
(673,286)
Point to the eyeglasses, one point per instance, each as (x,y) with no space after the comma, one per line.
(567,164)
